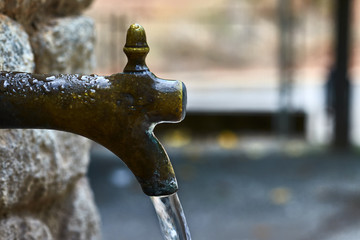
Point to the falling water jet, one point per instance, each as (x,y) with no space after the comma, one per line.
(171,217)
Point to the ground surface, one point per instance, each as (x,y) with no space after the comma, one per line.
(233,195)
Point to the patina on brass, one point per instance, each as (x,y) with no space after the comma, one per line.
(118,111)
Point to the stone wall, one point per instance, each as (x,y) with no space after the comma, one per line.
(44,193)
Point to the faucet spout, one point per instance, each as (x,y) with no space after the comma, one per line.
(118,111)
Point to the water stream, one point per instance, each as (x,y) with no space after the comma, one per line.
(171,217)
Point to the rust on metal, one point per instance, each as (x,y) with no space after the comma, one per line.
(118,111)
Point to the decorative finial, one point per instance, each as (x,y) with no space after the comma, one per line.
(136,49)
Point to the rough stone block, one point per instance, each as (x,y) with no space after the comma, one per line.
(28,12)
(70,216)
(68,7)
(74,217)
(23,11)
(64,45)
(25,228)
(37,165)
(43,191)
(15,48)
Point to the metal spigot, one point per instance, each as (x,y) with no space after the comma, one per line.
(118,111)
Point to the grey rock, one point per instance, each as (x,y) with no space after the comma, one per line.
(23,11)
(64,45)
(44,193)
(37,165)
(15,48)
(29,12)
(75,216)
(68,7)
(25,228)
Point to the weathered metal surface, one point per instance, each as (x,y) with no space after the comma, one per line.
(117,111)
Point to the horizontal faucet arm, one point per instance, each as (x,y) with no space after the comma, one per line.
(117,111)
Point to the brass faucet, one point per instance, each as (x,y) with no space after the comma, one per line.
(118,111)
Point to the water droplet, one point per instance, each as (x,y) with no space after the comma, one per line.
(46,87)
(3,85)
(51,78)
(92,92)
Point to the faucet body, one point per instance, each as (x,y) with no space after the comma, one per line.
(118,111)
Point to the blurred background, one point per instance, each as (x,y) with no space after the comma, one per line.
(269,147)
